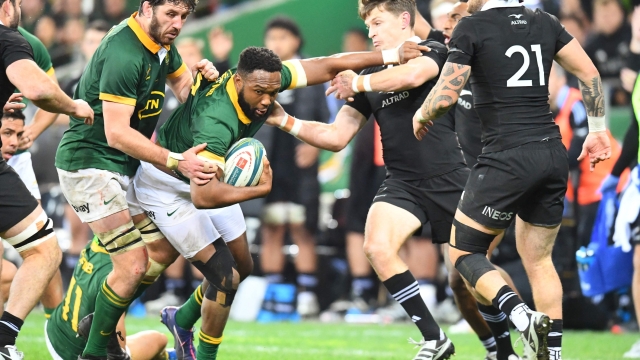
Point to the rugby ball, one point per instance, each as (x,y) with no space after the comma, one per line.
(243,163)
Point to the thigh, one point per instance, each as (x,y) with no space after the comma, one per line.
(94,194)
(229,221)
(16,203)
(441,196)
(402,195)
(390,226)
(534,242)
(545,205)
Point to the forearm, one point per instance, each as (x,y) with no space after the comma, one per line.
(53,100)
(445,94)
(592,93)
(41,121)
(321,135)
(217,194)
(134,144)
(323,69)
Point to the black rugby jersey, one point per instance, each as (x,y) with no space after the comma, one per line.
(405,157)
(510,51)
(468,126)
(13,47)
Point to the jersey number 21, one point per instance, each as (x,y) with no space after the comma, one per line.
(515,81)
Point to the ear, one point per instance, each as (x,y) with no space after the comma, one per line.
(406,20)
(147,10)
(237,79)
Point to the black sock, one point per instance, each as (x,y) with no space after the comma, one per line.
(307,282)
(555,338)
(489,343)
(9,329)
(510,304)
(499,326)
(404,288)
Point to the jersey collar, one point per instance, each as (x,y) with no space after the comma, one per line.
(143,37)
(233,95)
(492,4)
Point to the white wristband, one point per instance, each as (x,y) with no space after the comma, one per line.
(173,159)
(419,115)
(354,84)
(596,123)
(361,83)
(390,56)
(367,83)
(290,125)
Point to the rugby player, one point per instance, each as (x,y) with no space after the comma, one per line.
(523,170)
(220,113)
(467,125)
(60,330)
(23,223)
(124,83)
(424,180)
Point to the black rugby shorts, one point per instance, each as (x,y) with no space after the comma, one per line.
(529,181)
(432,200)
(16,202)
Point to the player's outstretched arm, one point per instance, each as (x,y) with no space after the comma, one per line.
(332,137)
(574,59)
(38,87)
(216,194)
(121,136)
(322,69)
(409,76)
(442,97)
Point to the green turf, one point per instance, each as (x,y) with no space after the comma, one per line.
(338,341)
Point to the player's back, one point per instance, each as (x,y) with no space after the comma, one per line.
(88,276)
(511,51)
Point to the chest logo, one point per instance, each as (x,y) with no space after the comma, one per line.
(148,72)
(517,16)
(153,106)
(395,98)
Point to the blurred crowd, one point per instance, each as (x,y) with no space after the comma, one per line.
(307,235)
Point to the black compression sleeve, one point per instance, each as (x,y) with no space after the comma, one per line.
(629,149)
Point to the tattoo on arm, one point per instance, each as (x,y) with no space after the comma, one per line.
(593,96)
(441,98)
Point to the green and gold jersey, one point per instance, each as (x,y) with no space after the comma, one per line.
(128,68)
(90,272)
(212,115)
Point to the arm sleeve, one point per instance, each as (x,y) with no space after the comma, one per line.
(436,35)
(361,103)
(176,66)
(119,77)
(462,44)
(14,48)
(292,75)
(438,52)
(208,128)
(580,126)
(562,36)
(629,149)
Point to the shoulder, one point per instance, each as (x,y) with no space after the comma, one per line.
(11,37)
(372,70)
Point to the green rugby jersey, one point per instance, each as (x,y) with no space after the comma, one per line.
(212,115)
(40,54)
(88,276)
(128,68)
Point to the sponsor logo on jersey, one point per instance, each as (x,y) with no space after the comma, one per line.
(151,214)
(395,98)
(464,103)
(107,202)
(82,208)
(518,22)
(517,16)
(497,215)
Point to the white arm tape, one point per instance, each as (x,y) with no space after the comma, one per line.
(354,84)
(366,83)
(295,128)
(596,123)
(419,115)
(390,56)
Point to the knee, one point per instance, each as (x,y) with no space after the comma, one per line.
(245,267)
(376,248)
(456,282)
(47,253)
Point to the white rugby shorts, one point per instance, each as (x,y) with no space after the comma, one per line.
(22,164)
(167,201)
(95,194)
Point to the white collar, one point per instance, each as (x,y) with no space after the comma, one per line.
(491,4)
(1,23)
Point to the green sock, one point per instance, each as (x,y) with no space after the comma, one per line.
(189,312)
(48,312)
(109,309)
(208,347)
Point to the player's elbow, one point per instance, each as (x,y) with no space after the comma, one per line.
(37,93)
(113,137)
(200,202)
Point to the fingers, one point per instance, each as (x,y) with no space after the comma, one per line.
(331,90)
(582,154)
(204,176)
(424,48)
(199,181)
(198,148)
(350,99)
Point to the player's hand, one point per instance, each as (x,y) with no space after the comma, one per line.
(628,78)
(196,169)
(220,43)
(206,68)
(420,129)
(597,146)
(609,184)
(306,155)
(14,103)
(27,138)
(276,116)
(83,111)
(410,50)
(341,85)
(266,178)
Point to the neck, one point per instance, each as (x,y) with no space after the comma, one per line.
(144,24)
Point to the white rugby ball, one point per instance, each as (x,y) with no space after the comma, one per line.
(243,163)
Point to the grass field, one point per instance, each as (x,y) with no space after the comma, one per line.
(318,341)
